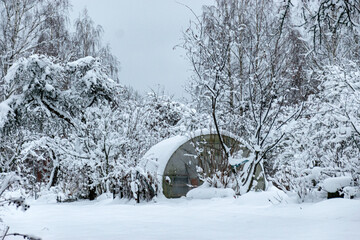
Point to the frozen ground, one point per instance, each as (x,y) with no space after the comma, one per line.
(250,216)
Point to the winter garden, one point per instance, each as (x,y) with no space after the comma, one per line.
(266,146)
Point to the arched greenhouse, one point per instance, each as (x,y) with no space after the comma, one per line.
(179,161)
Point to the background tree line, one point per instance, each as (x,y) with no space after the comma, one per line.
(42,27)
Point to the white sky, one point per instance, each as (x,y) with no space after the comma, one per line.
(142,34)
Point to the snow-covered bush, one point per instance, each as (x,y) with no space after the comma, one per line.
(6,182)
(324,142)
(332,185)
(139,185)
(47,109)
(69,126)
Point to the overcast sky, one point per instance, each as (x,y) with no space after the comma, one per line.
(142,34)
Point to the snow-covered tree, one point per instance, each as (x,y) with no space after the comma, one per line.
(46,102)
(42,27)
(87,41)
(69,126)
(325,141)
(241,72)
(24,28)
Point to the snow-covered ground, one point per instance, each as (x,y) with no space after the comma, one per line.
(251,216)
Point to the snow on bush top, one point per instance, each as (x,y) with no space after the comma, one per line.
(82,62)
(336,183)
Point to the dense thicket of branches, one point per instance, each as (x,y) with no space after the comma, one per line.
(263,70)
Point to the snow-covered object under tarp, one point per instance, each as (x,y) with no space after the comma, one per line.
(336,183)
(175,161)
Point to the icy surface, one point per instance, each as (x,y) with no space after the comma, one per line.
(251,216)
(336,183)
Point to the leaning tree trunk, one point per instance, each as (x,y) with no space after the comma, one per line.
(254,177)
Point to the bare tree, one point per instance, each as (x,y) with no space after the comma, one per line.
(87,36)
(239,52)
(23,26)
(87,41)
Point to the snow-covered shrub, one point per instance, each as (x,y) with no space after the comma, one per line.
(70,127)
(47,111)
(234,171)
(6,182)
(323,142)
(350,192)
(139,185)
(335,184)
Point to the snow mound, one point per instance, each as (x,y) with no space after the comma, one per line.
(207,193)
(272,196)
(336,183)
(46,197)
